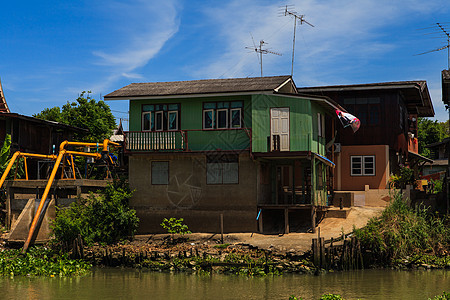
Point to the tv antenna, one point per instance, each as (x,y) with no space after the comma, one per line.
(289,12)
(259,49)
(446,34)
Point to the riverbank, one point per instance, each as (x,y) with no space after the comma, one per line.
(200,253)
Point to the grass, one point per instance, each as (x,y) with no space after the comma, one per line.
(402,231)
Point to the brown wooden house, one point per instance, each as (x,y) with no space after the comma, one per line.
(387,138)
(32,135)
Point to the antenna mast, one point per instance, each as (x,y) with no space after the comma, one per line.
(447,36)
(289,12)
(262,51)
(448,44)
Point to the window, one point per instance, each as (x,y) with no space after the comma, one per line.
(159,117)
(208,119)
(363,165)
(159,121)
(146,121)
(222,169)
(235,118)
(222,118)
(367,110)
(222,115)
(160,172)
(173,120)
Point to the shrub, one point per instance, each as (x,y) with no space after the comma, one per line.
(401,231)
(405,177)
(445,296)
(175,226)
(436,186)
(331,297)
(105,218)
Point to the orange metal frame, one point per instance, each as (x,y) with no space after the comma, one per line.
(62,155)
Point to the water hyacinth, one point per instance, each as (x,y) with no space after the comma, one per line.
(40,261)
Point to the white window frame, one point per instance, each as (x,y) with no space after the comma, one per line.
(320,125)
(362,158)
(162,120)
(168,120)
(204,119)
(143,120)
(240,117)
(226,118)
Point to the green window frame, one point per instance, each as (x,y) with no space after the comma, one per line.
(222,115)
(161,117)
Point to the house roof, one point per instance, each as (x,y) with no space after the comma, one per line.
(193,87)
(3,105)
(437,144)
(446,86)
(416,94)
(41,121)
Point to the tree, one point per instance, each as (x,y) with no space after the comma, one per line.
(429,132)
(86,113)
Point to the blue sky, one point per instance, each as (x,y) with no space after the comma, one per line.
(52,50)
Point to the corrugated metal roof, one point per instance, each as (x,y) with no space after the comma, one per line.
(207,86)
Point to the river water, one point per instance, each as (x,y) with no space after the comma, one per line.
(112,283)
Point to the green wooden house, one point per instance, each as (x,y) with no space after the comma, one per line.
(250,149)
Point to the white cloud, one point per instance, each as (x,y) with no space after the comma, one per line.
(139,35)
(346,35)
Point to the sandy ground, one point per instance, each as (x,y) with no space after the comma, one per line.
(292,242)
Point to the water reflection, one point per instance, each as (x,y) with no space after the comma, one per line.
(134,284)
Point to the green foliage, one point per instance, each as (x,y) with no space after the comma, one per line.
(331,297)
(405,177)
(40,261)
(429,132)
(402,231)
(175,226)
(445,296)
(105,218)
(86,113)
(323,297)
(436,186)
(5,153)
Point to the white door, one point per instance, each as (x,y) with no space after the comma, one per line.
(279,119)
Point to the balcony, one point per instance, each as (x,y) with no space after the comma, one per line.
(188,140)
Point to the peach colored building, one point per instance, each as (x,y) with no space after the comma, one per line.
(351,179)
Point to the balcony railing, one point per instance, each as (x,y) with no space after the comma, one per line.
(188,140)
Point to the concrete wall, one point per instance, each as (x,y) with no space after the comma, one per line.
(368,197)
(346,182)
(189,196)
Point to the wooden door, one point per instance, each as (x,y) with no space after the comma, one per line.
(279,128)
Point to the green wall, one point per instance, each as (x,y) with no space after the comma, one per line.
(256,113)
(191,117)
(302,122)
